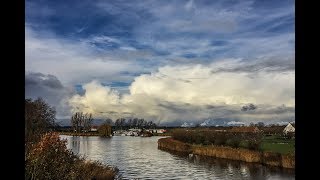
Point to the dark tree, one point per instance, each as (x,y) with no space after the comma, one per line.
(149,124)
(104,130)
(122,122)
(39,117)
(140,123)
(145,124)
(129,123)
(109,121)
(117,123)
(153,125)
(135,122)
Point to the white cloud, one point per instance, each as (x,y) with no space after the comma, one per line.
(194,92)
(74,62)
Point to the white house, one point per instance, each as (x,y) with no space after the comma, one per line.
(288,128)
(160,131)
(94,128)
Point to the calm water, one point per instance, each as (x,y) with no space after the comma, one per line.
(139,158)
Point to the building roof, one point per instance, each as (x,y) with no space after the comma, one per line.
(289,128)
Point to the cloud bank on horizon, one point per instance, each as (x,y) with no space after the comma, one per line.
(169,61)
(192,93)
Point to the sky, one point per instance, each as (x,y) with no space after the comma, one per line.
(168,61)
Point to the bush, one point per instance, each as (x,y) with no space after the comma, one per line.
(104,130)
(207,137)
(220,140)
(233,142)
(181,135)
(198,138)
(50,159)
(244,144)
(39,117)
(254,145)
(93,170)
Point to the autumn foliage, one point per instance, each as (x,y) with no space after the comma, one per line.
(50,159)
(104,130)
(47,156)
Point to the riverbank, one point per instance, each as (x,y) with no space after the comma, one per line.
(78,134)
(240,154)
(97,134)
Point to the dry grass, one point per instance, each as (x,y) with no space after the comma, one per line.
(174,145)
(50,159)
(241,154)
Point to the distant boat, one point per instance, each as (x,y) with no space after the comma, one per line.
(118,133)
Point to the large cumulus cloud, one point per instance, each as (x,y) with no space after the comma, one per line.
(195,92)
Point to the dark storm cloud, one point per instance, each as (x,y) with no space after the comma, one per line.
(50,89)
(39,79)
(270,64)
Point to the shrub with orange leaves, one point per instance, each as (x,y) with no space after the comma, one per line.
(50,159)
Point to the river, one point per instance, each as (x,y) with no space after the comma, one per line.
(140,158)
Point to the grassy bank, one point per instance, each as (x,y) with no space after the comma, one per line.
(241,154)
(277,143)
(170,144)
(251,141)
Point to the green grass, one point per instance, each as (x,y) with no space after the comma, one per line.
(277,144)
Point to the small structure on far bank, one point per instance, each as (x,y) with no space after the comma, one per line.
(289,129)
(94,129)
(158,131)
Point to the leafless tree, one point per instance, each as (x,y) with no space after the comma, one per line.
(81,121)
(87,122)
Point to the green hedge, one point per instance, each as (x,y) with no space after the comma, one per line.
(211,137)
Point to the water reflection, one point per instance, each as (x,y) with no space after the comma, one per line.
(75,142)
(242,169)
(138,157)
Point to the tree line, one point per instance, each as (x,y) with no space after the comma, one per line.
(83,122)
(123,123)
